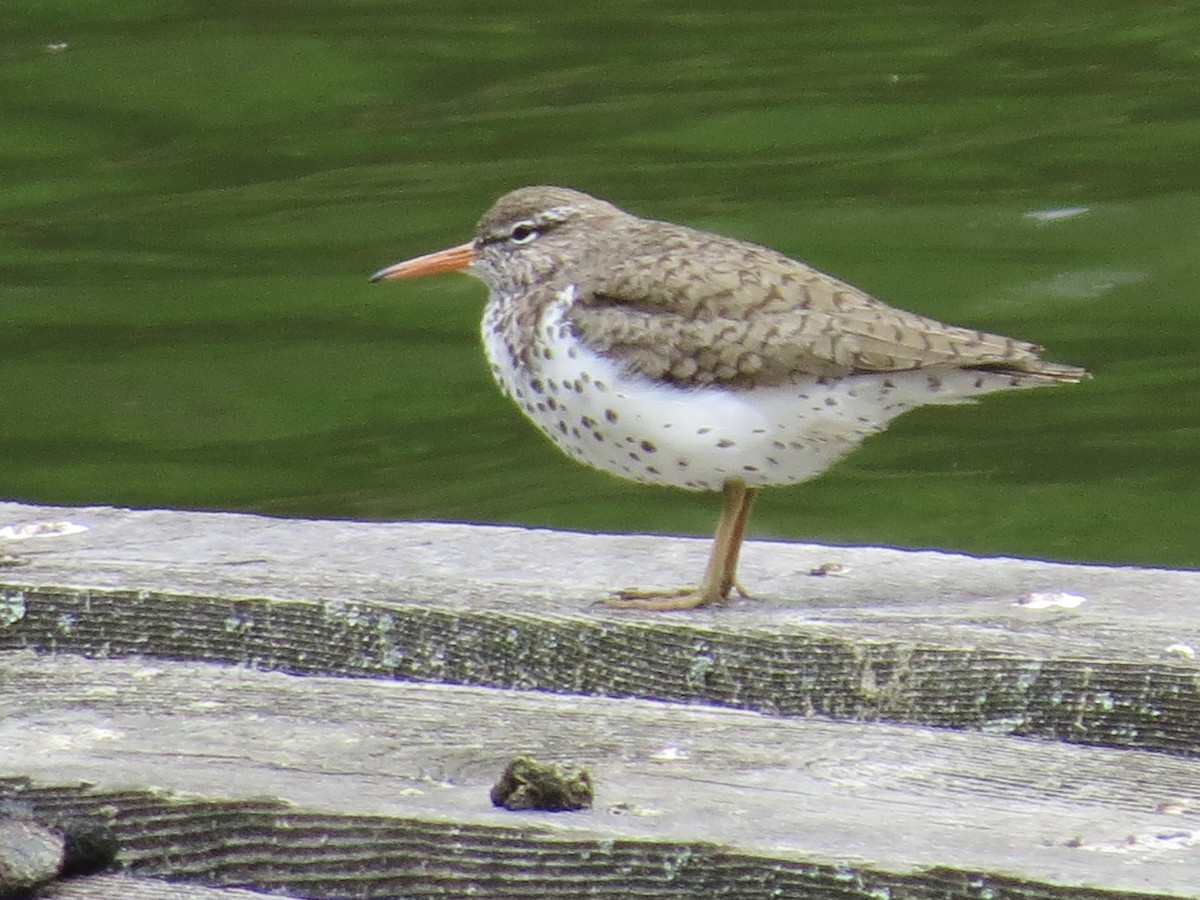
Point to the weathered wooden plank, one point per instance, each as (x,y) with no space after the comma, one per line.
(907,637)
(125,887)
(326,787)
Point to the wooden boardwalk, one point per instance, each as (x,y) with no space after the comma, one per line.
(320,709)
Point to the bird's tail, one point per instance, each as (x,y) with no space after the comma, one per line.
(1036,370)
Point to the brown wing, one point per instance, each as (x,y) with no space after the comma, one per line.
(724,312)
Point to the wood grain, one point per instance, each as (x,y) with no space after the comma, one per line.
(321,708)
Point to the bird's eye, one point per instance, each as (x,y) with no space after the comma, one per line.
(523,233)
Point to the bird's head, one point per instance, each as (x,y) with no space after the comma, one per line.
(526,236)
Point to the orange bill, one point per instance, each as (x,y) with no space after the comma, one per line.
(454,259)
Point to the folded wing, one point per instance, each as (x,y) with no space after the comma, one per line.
(734,314)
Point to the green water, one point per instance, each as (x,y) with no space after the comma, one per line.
(192,196)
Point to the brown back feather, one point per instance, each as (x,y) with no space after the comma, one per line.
(725,312)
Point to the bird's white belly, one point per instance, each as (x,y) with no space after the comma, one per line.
(696,438)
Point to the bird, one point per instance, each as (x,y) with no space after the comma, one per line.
(668,355)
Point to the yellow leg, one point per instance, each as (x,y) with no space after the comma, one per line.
(720,576)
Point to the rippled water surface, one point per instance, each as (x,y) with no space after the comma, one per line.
(193,195)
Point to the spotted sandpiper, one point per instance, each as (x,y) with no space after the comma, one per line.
(672,356)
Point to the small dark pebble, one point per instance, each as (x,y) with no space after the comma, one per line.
(551,787)
(87,847)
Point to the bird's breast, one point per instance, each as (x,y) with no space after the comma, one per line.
(654,431)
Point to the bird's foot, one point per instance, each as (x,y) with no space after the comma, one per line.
(670,599)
